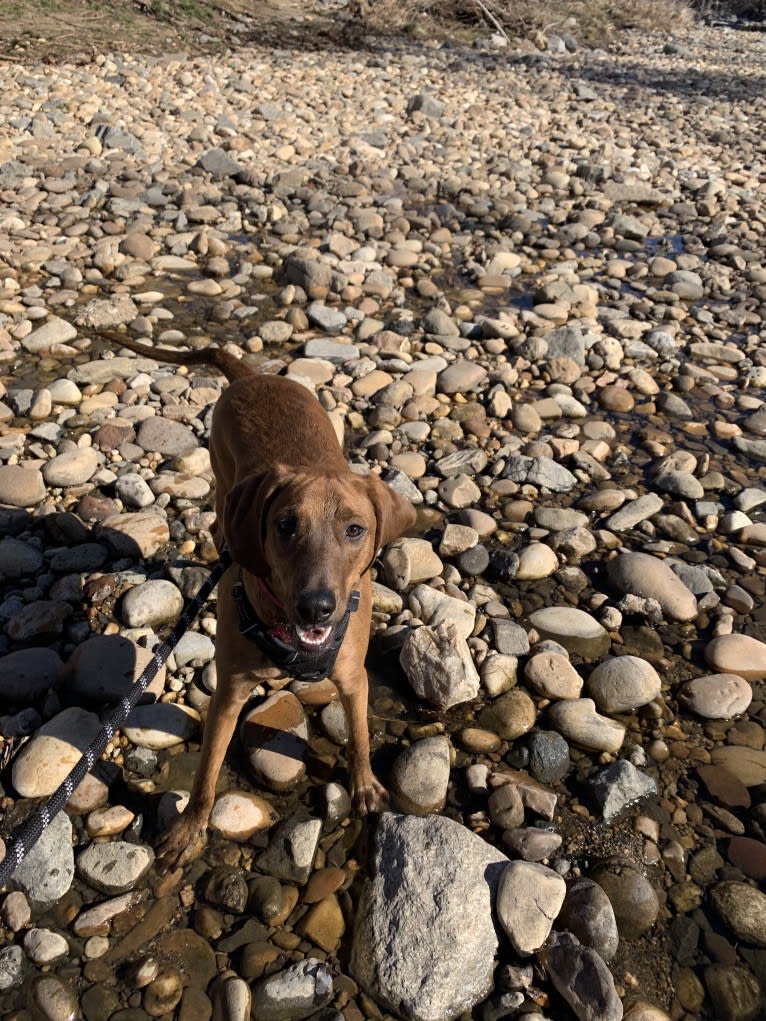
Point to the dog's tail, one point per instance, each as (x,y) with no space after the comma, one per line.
(228,364)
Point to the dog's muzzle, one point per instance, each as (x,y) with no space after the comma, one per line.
(302,662)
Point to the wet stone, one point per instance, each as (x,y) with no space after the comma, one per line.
(641,574)
(21,487)
(11,967)
(576,630)
(748,855)
(724,786)
(578,721)
(28,673)
(226,888)
(737,654)
(734,992)
(553,676)
(275,736)
(53,999)
(53,751)
(46,873)
(510,716)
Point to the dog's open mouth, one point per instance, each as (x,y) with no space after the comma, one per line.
(313,638)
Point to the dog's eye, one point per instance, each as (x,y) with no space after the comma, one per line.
(287,527)
(355,531)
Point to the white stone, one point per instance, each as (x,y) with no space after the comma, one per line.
(161,725)
(239,814)
(578,721)
(529,898)
(623,683)
(50,755)
(438,665)
(553,676)
(717,696)
(434,607)
(536,561)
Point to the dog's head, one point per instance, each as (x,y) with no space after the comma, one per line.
(311,536)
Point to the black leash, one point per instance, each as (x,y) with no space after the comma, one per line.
(31,831)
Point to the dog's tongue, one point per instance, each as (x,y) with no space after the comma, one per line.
(282,633)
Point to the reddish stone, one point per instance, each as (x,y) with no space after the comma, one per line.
(748,855)
(724,787)
(112,434)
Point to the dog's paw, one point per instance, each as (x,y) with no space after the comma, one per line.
(184,841)
(368,796)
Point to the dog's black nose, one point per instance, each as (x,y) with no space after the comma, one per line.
(317,606)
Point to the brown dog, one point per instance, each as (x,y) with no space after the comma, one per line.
(302,530)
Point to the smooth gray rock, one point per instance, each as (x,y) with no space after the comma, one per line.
(623,683)
(634,512)
(424,942)
(54,331)
(735,992)
(540,471)
(219,164)
(579,722)
(114,867)
(420,776)
(105,667)
(18,559)
(588,914)
(151,604)
(331,320)
(165,437)
(641,574)
(575,629)
(21,487)
(47,872)
(292,848)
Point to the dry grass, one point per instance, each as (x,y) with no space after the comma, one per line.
(590,20)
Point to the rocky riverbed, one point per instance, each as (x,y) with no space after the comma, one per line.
(530,290)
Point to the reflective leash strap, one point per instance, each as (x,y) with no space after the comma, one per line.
(31,831)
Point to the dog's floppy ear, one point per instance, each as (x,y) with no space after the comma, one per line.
(393,513)
(245,513)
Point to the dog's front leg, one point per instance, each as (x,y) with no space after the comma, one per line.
(367,793)
(188,834)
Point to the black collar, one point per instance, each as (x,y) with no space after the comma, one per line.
(302,664)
